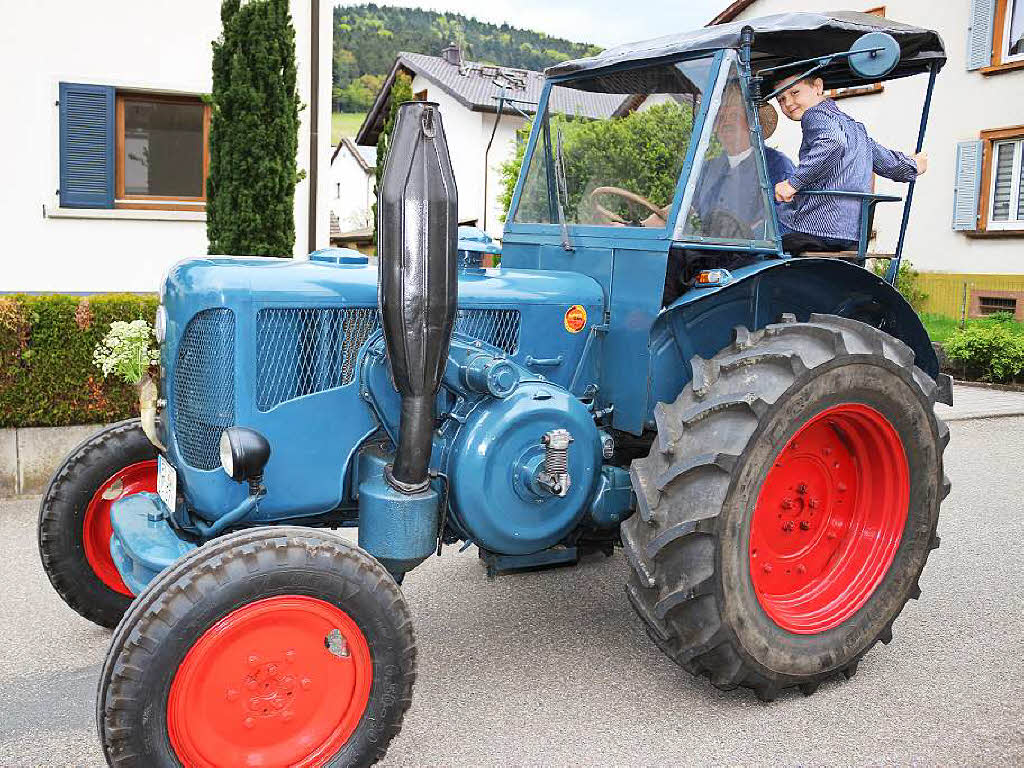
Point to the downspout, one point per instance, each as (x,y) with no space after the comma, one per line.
(497,119)
(314,119)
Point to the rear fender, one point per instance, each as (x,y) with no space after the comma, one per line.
(700,322)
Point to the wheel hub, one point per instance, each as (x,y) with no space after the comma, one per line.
(96,526)
(829,518)
(280,681)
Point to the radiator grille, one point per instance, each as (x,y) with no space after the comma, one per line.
(498,327)
(204,386)
(302,351)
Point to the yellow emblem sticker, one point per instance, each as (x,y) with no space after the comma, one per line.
(575,318)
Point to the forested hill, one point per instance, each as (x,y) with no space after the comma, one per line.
(367,38)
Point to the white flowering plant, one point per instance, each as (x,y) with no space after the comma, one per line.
(127,351)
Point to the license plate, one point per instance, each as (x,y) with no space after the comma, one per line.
(166,482)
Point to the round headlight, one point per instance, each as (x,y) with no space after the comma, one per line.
(243,453)
(160,325)
(227,459)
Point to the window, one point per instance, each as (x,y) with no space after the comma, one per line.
(161,152)
(610,148)
(1007,201)
(989,194)
(1009,42)
(995,37)
(129,149)
(990,305)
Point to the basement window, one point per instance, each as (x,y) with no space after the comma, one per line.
(990,305)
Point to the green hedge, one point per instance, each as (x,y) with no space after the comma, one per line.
(47,377)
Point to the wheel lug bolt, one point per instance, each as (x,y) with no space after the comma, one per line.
(804,525)
(787,503)
(249,723)
(305,683)
(801,569)
(802,488)
(254,660)
(813,503)
(272,669)
(841,487)
(830,535)
(767,567)
(788,525)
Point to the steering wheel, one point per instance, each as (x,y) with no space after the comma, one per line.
(632,197)
(722,223)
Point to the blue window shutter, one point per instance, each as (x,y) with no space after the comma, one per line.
(86,146)
(979,33)
(968,185)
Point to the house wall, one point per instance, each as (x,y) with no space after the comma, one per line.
(157,45)
(350,191)
(468,133)
(964,103)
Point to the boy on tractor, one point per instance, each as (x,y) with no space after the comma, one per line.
(835,153)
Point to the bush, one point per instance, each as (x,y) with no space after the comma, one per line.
(907,282)
(47,374)
(989,350)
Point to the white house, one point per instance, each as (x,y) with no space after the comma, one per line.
(350,189)
(106,150)
(480,137)
(968,210)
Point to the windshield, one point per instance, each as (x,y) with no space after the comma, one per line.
(610,148)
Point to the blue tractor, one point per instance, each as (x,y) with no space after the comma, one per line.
(645,368)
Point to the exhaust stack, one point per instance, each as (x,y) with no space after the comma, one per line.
(417,233)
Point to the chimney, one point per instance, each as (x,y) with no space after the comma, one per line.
(452,54)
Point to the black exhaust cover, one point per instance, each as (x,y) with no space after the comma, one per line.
(417,233)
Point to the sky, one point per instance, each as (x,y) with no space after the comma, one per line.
(601,22)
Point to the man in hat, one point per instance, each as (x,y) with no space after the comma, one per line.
(836,153)
(728,199)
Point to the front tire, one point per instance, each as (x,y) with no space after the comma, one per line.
(788,505)
(271,646)
(74,518)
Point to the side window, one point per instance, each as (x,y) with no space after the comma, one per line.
(727,201)
(989,192)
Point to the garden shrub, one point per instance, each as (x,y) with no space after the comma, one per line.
(47,374)
(990,350)
(907,282)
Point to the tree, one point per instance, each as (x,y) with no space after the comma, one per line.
(254,132)
(401,90)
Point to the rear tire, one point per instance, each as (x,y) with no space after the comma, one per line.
(270,646)
(713,490)
(74,518)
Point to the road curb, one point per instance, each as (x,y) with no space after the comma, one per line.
(29,456)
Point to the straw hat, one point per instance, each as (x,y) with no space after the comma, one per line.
(766,112)
(769,119)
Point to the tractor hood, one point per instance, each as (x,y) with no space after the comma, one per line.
(209,281)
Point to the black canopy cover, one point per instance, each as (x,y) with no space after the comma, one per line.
(778,39)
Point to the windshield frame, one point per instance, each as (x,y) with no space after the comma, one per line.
(541,127)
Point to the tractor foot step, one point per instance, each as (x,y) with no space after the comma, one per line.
(555,557)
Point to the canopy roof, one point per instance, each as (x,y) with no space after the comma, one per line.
(779,39)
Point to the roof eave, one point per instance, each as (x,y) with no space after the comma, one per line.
(730,12)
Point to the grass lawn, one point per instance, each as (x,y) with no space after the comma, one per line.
(345,124)
(940,327)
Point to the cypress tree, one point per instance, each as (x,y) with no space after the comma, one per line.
(254,129)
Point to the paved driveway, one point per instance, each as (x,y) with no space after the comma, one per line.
(554,669)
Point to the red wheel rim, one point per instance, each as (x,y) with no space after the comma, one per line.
(280,681)
(829,519)
(96,527)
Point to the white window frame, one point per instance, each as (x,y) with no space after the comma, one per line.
(1015,171)
(1004,58)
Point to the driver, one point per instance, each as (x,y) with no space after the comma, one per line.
(729,182)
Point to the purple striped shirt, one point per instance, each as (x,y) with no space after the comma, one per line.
(837,153)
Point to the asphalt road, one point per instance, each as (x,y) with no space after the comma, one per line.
(553,668)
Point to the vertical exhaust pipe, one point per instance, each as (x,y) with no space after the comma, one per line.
(417,234)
